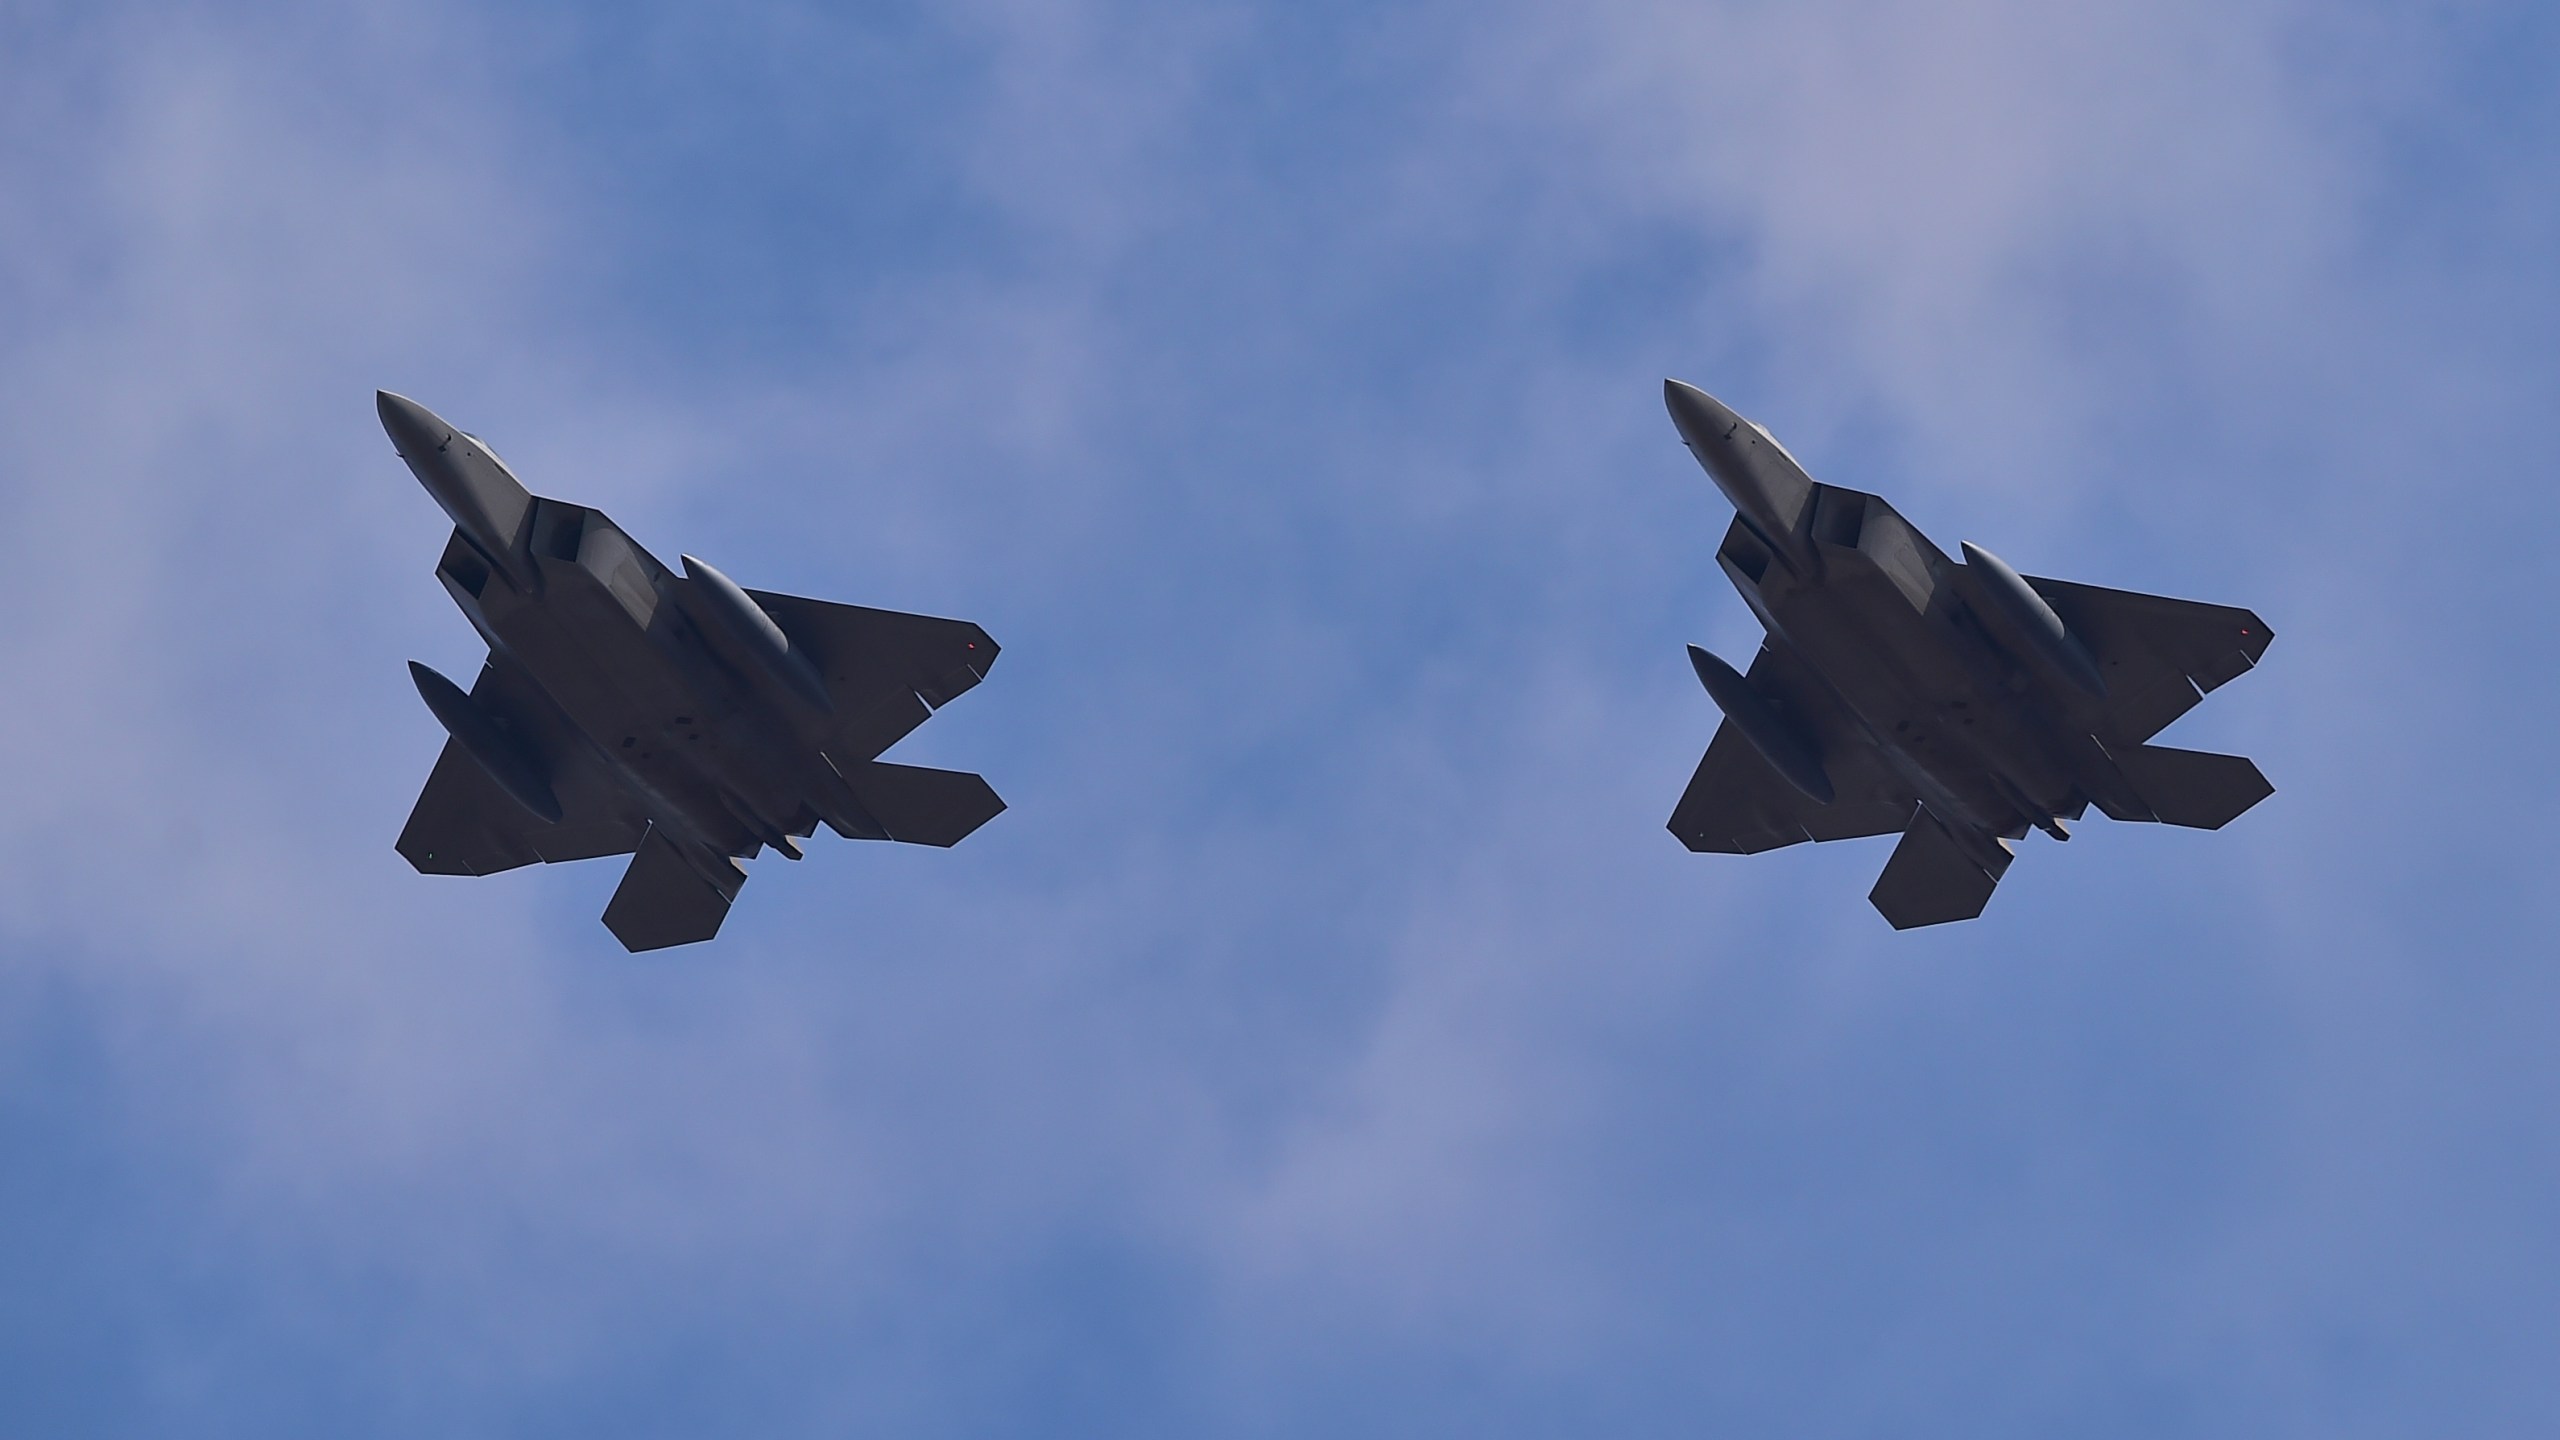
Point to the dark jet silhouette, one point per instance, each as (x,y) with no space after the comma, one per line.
(1956,704)
(629,710)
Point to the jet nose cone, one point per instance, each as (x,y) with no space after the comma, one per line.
(414,429)
(1701,417)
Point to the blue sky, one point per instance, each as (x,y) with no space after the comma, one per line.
(1330,1039)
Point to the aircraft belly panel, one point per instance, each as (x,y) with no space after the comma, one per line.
(1985,751)
(580,645)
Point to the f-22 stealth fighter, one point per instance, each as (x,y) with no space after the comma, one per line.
(1958,704)
(629,710)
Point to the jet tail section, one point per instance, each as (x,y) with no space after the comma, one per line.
(1934,877)
(920,806)
(2194,788)
(666,899)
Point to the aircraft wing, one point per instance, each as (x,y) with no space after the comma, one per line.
(1737,805)
(464,824)
(882,668)
(2158,656)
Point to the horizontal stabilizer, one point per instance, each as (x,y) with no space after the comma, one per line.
(2193,788)
(1934,878)
(665,900)
(920,806)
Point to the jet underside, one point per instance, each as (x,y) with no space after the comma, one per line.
(1955,703)
(629,709)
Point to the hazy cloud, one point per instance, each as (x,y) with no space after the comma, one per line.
(1329,1037)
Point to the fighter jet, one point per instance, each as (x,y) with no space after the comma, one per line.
(1958,704)
(626,709)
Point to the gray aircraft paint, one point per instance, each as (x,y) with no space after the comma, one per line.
(626,709)
(1958,704)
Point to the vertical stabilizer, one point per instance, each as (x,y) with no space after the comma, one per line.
(1934,877)
(665,899)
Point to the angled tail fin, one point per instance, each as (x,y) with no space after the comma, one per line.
(2193,788)
(666,899)
(1935,877)
(920,806)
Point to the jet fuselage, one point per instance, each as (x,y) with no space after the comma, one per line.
(629,709)
(1958,702)
(1881,614)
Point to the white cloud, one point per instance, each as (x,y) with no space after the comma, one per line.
(1332,956)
